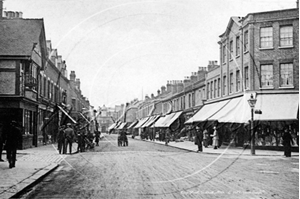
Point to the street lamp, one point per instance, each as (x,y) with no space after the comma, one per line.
(252,102)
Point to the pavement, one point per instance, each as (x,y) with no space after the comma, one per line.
(31,166)
(35,163)
(224,150)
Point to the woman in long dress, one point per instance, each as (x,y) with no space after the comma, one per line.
(215,137)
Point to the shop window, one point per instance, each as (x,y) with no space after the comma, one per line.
(267,76)
(28,122)
(266,37)
(286,75)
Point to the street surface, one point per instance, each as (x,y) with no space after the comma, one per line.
(149,170)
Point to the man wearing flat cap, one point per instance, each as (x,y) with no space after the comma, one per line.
(69,136)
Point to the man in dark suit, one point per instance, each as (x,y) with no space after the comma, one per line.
(12,137)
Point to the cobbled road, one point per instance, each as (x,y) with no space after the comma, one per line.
(149,170)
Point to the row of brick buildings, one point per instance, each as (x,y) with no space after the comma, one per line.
(259,55)
(34,87)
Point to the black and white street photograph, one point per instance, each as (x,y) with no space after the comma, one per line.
(149,99)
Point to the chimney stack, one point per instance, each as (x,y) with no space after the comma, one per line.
(174,86)
(169,86)
(186,81)
(78,83)
(72,76)
(180,86)
(163,89)
(158,92)
(193,77)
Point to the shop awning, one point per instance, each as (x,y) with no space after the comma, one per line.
(159,122)
(163,122)
(150,121)
(62,110)
(274,107)
(121,126)
(141,122)
(277,107)
(132,124)
(225,113)
(237,111)
(172,119)
(112,126)
(207,111)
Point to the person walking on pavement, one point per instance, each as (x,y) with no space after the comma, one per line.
(205,138)
(12,138)
(287,141)
(61,139)
(69,137)
(167,136)
(215,136)
(1,141)
(199,139)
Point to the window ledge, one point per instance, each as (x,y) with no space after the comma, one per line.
(286,87)
(231,60)
(270,48)
(246,52)
(237,56)
(267,88)
(285,47)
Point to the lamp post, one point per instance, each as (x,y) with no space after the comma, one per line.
(252,102)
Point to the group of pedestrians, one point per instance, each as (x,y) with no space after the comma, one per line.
(202,138)
(67,136)
(10,139)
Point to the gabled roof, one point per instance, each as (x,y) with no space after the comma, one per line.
(231,21)
(17,36)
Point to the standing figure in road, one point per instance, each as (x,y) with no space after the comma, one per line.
(61,139)
(167,136)
(215,137)
(205,138)
(199,139)
(12,137)
(69,137)
(80,141)
(287,141)
(97,137)
(1,140)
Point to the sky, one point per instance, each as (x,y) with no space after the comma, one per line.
(126,49)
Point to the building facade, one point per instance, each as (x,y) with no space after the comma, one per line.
(34,89)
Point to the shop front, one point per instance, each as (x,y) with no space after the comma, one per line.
(273,113)
(25,114)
